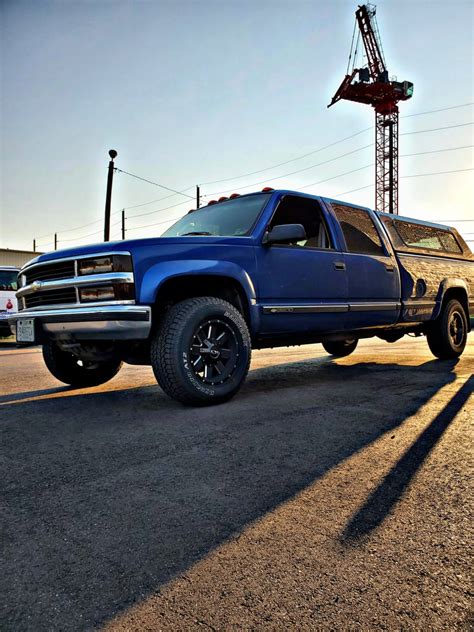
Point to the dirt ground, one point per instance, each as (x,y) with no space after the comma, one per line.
(329,494)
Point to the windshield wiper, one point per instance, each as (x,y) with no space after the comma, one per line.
(196,232)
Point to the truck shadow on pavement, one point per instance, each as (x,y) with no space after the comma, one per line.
(383,499)
(109,495)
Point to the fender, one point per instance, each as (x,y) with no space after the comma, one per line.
(165,270)
(445,285)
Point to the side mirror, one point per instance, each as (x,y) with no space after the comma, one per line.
(284,234)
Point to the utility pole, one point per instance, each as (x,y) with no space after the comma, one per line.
(198,196)
(108,196)
(34,245)
(55,241)
(123,224)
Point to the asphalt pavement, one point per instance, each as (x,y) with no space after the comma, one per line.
(328,495)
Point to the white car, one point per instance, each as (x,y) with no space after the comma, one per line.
(8,302)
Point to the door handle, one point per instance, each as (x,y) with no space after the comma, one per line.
(389,268)
(340,265)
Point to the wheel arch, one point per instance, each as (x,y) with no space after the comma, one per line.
(169,282)
(452,289)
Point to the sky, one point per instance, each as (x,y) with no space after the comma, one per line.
(193,92)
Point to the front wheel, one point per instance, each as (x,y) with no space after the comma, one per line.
(201,352)
(447,335)
(68,368)
(341,348)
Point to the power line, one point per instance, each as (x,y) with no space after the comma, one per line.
(285,175)
(418,175)
(287,161)
(159,210)
(436,151)
(97,232)
(182,192)
(338,176)
(280,164)
(162,186)
(251,173)
(436,129)
(292,173)
(166,197)
(453,107)
(305,187)
(354,190)
(436,173)
(166,221)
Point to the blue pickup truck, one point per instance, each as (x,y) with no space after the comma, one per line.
(267,269)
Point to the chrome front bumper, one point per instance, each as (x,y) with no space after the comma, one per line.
(105,322)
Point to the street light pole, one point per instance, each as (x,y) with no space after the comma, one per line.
(108,196)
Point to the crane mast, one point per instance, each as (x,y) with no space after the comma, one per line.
(371,85)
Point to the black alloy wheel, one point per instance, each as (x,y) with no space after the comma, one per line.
(447,335)
(200,353)
(214,352)
(456,328)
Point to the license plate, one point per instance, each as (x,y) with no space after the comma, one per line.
(25,330)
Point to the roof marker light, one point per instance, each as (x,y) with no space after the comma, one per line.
(267,189)
(234,195)
(222,199)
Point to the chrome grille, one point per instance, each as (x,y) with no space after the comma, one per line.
(61,296)
(50,271)
(57,283)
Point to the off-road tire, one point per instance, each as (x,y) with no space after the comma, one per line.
(340,348)
(67,368)
(177,339)
(447,335)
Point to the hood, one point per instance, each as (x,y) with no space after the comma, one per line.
(129,245)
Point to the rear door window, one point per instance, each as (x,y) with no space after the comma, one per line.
(359,230)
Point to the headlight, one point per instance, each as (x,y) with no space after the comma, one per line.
(101,265)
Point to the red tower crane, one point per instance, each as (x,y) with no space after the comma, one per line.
(371,85)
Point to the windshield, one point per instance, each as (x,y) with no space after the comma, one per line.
(233,218)
(8,280)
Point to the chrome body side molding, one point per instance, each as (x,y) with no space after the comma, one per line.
(331,307)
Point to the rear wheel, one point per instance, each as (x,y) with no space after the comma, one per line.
(201,353)
(68,368)
(341,348)
(447,335)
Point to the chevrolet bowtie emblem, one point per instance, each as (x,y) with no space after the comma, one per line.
(36,285)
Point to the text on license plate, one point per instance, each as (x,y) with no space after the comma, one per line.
(25,330)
